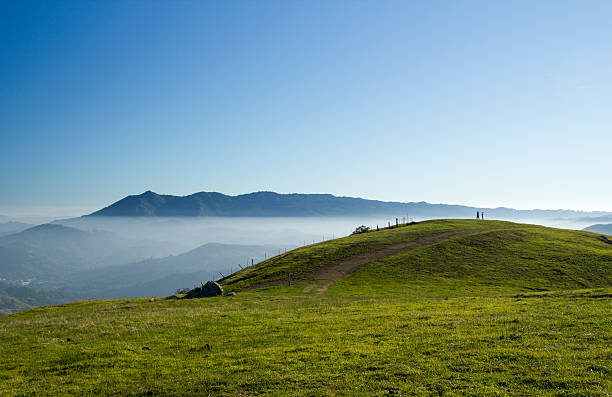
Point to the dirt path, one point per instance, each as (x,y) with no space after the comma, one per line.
(327,276)
(320,280)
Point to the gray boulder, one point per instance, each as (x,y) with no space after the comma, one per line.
(209,289)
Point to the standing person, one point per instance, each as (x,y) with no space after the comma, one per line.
(477,215)
(482,215)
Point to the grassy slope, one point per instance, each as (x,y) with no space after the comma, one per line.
(500,261)
(313,256)
(476,334)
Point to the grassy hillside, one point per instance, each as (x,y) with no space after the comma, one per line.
(452,317)
(498,261)
(500,255)
(551,344)
(312,257)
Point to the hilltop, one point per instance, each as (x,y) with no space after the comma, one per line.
(440,307)
(270,204)
(461,255)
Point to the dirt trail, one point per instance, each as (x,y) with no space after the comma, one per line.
(320,280)
(327,276)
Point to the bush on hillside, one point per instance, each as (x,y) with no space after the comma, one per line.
(361,229)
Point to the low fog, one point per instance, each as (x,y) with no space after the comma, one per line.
(105,257)
(183,234)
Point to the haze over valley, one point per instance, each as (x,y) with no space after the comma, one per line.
(151,245)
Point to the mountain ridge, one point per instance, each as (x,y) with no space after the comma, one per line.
(271,204)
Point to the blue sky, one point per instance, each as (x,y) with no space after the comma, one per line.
(481,103)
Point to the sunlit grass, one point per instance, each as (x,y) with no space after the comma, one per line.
(457,317)
(313,345)
(314,256)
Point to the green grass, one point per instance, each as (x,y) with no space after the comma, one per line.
(312,257)
(499,261)
(454,318)
(293,345)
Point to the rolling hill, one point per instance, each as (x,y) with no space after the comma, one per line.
(496,255)
(447,307)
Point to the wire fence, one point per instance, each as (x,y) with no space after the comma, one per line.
(252,261)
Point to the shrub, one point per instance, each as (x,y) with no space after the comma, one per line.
(361,229)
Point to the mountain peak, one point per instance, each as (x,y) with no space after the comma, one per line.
(272,204)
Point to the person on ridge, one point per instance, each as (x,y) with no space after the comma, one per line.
(477,215)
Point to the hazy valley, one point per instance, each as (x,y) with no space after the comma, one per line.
(106,256)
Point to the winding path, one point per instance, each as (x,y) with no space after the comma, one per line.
(319,280)
(326,276)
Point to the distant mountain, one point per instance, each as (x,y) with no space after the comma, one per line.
(53,263)
(50,251)
(270,204)
(600,228)
(260,204)
(162,276)
(13,227)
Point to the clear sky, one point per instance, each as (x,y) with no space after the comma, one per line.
(488,103)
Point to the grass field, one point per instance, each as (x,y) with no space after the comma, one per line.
(513,310)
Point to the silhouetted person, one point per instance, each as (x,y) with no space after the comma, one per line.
(482,215)
(477,215)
